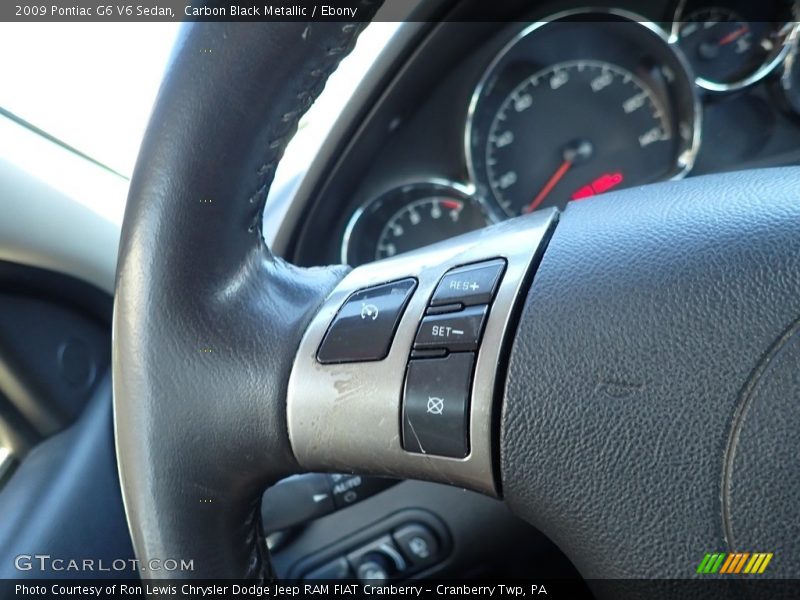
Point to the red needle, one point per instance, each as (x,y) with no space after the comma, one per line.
(733,35)
(548,187)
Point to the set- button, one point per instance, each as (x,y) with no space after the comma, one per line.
(455,332)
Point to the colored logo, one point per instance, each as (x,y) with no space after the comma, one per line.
(734,563)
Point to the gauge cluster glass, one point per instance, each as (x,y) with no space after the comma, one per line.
(410,217)
(583,103)
(577,106)
(735,43)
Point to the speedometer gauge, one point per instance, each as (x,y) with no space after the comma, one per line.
(578,106)
(622,134)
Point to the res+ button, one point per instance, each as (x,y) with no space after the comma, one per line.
(469,285)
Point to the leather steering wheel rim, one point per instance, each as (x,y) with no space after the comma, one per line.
(630,331)
(230,102)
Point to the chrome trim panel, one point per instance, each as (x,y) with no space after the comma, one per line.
(346,417)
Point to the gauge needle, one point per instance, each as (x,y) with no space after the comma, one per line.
(548,187)
(733,35)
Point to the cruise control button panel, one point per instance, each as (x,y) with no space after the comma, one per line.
(363,329)
(438,385)
(436,405)
(426,409)
(469,285)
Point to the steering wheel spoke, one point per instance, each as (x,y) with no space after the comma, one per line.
(424,403)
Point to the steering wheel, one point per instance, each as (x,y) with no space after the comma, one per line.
(632,389)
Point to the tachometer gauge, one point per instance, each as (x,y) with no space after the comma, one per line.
(578,106)
(728,46)
(410,217)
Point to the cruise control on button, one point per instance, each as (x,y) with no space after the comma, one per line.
(364,328)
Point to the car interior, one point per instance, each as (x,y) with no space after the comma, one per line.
(558,340)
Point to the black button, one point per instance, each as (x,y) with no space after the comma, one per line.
(418,544)
(457,332)
(378,560)
(374,569)
(336,569)
(470,285)
(436,405)
(364,328)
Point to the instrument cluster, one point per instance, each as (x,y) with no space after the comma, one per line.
(581,103)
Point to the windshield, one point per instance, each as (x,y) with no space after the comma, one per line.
(90,85)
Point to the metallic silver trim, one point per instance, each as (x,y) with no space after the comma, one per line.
(719,88)
(676,23)
(789,63)
(684,162)
(351,225)
(465,189)
(757,76)
(347,417)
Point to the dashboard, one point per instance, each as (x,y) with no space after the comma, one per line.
(487,121)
